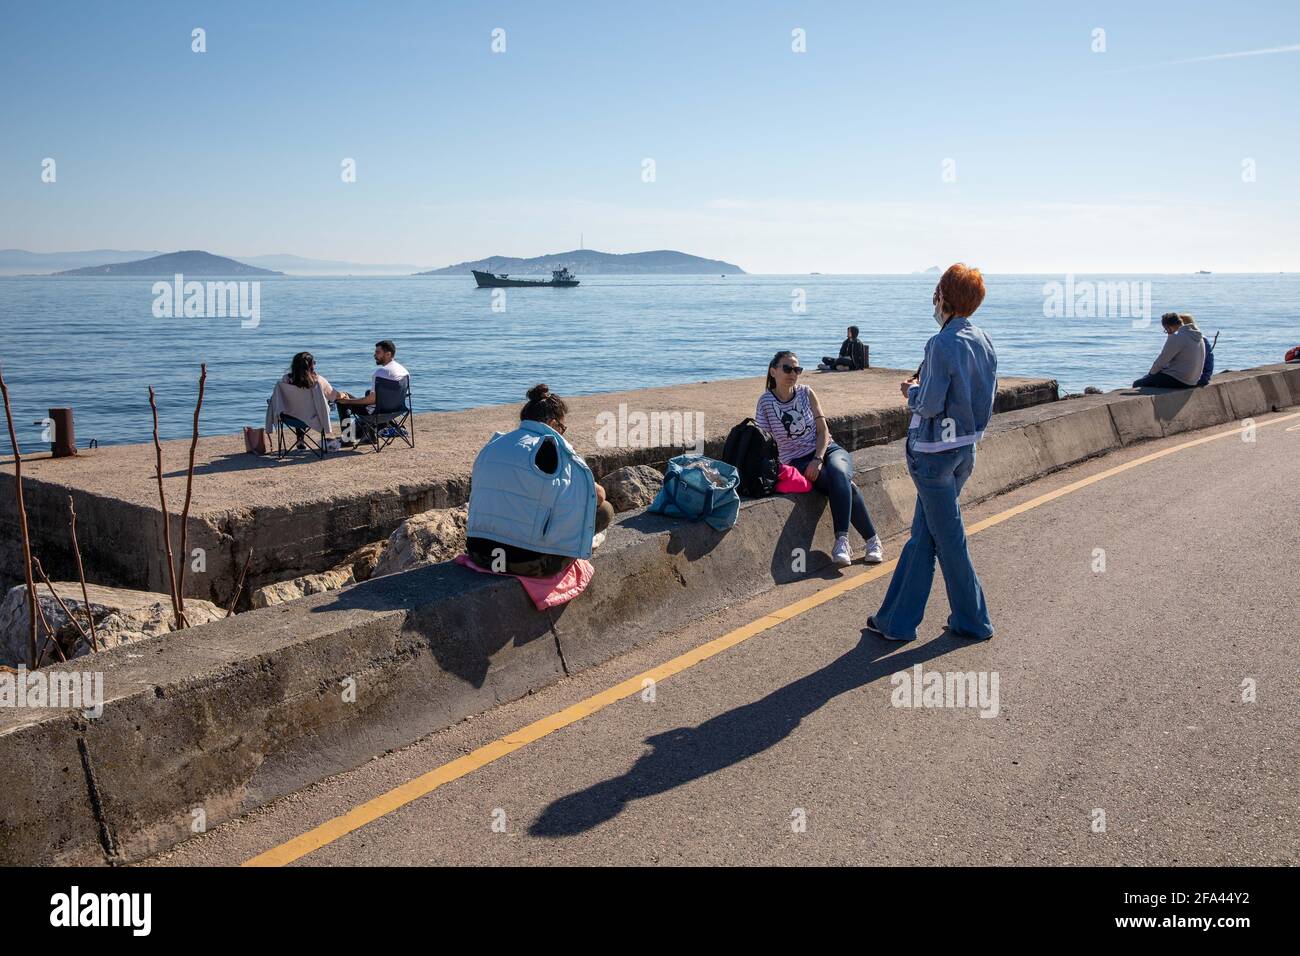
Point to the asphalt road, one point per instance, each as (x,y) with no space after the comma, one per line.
(1120,691)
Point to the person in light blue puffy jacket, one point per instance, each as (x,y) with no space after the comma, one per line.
(951,403)
(534,505)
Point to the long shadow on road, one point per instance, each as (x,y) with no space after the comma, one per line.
(684,754)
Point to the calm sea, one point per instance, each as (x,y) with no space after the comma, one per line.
(94,343)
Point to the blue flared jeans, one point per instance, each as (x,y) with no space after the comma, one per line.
(937,532)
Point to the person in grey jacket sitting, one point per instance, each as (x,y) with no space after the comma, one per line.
(1181,361)
(951,404)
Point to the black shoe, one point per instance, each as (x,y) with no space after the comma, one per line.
(871,626)
(966,635)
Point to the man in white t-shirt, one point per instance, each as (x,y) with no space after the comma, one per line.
(386,366)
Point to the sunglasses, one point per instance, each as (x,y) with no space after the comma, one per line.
(791,369)
(559,427)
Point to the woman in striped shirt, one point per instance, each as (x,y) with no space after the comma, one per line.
(793,415)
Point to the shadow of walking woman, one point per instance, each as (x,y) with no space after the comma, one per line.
(685,754)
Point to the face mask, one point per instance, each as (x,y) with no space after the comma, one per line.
(938,316)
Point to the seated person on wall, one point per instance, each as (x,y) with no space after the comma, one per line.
(1180,362)
(1208,370)
(533,504)
(852,357)
(386,366)
(308,401)
(793,415)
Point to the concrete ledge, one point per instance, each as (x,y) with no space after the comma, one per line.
(47,815)
(303,516)
(237,713)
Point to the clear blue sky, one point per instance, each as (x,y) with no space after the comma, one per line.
(829,160)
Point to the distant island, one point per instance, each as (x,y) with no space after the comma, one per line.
(115,262)
(192,262)
(21,262)
(591,262)
(301,266)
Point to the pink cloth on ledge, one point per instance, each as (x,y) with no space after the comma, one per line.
(545,592)
(790,480)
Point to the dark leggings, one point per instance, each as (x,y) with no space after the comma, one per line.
(835,481)
(1160,380)
(531,564)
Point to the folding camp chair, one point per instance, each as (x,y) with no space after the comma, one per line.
(307,432)
(303,433)
(391,419)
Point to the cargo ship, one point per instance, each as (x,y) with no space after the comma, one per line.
(560,279)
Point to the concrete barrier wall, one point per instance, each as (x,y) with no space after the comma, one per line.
(322,516)
(237,713)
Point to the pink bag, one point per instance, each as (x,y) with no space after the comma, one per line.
(545,592)
(790,480)
(256,441)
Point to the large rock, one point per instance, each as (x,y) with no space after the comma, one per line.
(282,591)
(426,538)
(632,488)
(365,559)
(357,566)
(121,617)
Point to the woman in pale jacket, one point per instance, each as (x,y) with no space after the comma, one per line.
(304,394)
(534,506)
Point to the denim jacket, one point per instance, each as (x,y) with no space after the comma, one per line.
(953,403)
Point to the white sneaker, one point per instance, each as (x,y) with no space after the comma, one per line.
(875,553)
(842,554)
(597,540)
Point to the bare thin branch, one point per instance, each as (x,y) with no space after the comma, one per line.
(166,518)
(22,524)
(81,573)
(71,617)
(239,585)
(189,489)
(49,639)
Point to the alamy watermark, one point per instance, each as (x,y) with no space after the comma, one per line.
(130,910)
(209,300)
(1086,299)
(921,688)
(53,689)
(638,429)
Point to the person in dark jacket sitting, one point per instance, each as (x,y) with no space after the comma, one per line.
(853,354)
(1208,369)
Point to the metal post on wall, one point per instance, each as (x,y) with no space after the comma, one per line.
(64,439)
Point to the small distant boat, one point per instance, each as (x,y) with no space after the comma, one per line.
(560,279)
(1203,272)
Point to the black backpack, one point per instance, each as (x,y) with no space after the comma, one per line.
(753,452)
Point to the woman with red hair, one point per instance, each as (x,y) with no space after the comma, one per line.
(951,403)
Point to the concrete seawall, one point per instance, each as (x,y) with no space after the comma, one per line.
(301,516)
(237,713)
